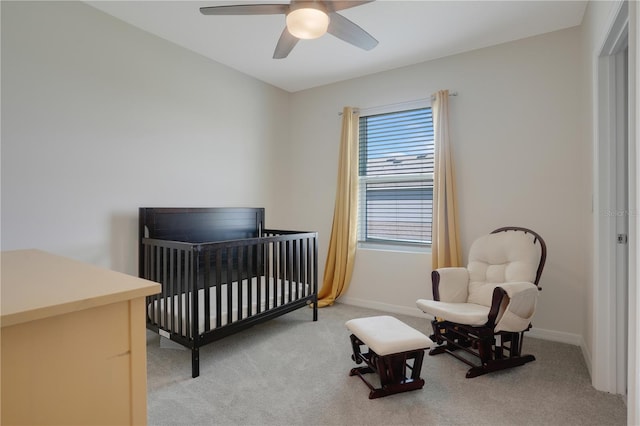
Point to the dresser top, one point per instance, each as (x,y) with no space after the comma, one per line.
(35,284)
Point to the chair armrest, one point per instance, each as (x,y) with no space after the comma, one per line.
(450,284)
(514,305)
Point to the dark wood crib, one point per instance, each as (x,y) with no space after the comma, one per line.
(222,272)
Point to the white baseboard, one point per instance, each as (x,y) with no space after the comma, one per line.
(536,333)
(586,353)
(555,336)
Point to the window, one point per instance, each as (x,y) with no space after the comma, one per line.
(396,177)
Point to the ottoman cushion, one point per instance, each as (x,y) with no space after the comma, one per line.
(387,335)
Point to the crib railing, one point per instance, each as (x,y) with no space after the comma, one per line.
(250,278)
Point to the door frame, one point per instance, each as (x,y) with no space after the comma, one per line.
(607,328)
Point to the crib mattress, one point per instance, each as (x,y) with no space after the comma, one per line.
(178,314)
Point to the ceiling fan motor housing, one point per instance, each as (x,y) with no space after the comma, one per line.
(307,19)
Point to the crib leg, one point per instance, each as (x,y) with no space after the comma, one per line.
(315,310)
(195,362)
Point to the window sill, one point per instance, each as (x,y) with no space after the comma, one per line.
(403,248)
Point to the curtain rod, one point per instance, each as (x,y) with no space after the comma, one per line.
(430,98)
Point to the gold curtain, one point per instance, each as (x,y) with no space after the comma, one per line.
(342,245)
(445,246)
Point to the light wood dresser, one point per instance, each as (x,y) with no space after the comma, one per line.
(73,342)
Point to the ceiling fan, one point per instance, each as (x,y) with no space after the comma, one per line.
(305,20)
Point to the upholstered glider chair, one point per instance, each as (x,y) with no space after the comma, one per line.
(485,308)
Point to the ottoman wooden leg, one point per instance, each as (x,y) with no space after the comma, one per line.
(389,348)
(391,370)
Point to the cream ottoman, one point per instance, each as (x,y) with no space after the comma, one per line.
(395,353)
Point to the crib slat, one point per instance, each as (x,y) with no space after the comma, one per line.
(260,273)
(296,266)
(194,306)
(276,272)
(170,282)
(240,276)
(278,278)
(315,278)
(151,301)
(188,270)
(267,283)
(309,265)
(229,285)
(163,279)
(218,284)
(284,252)
(154,274)
(290,249)
(285,275)
(250,275)
(207,289)
(180,258)
(303,270)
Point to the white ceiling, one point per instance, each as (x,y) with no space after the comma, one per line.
(408,32)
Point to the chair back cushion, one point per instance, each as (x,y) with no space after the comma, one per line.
(504,257)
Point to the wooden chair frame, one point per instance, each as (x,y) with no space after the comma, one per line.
(496,351)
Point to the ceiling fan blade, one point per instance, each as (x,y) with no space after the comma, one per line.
(285,44)
(350,32)
(337,5)
(246,9)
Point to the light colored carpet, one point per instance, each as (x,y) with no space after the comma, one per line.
(293,371)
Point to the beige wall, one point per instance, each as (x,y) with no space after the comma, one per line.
(100,118)
(522,159)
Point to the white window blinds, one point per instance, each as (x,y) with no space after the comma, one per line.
(396,177)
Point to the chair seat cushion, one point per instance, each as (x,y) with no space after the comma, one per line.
(387,335)
(463,313)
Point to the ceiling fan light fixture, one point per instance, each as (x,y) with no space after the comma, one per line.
(307,23)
